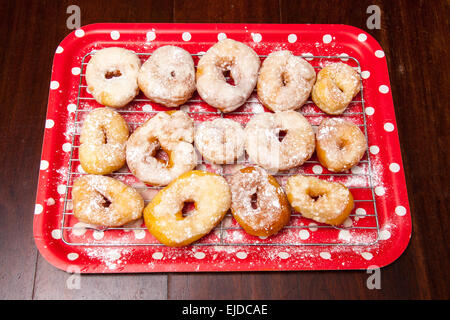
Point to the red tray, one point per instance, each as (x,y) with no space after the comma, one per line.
(376,234)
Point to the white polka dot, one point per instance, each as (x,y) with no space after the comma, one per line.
(317,169)
(71,107)
(67,147)
(303,234)
(199,255)
(115,35)
(362,37)
(88,90)
(367,255)
(379,53)
(343,56)
(56,234)
(389,127)
(348,222)
(147,108)
(344,235)
(59,49)
(98,234)
(356,170)
(365,74)
(361,212)
(284,255)
(76,71)
(186,36)
(50,201)
(379,191)
(79,229)
(44,165)
(256,37)
(80,169)
(139,234)
(221,36)
(262,237)
(61,189)
(157,255)
(257,108)
(241,255)
(400,210)
(54,85)
(383,88)
(374,149)
(38,208)
(308,56)
(385,234)
(72,256)
(394,167)
(313,226)
(79,33)
(49,123)
(370,111)
(292,38)
(327,38)
(325,255)
(151,35)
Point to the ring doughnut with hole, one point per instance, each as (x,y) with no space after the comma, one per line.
(285,81)
(243,65)
(258,203)
(111,76)
(105,201)
(320,200)
(173,133)
(264,132)
(340,144)
(164,218)
(337,84)
(102,142)
(168,76)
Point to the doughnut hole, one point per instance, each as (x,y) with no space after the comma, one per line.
(113,74)
(189,207)
(281,135)
(155,150)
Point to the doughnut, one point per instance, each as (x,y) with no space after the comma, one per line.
(263,145)
(168,76)
(242,63)
(171,132)
(164,218)
(258,203)
(102,142)
(105,201)
(339,144)
(111,76)
(322,201)
(337,84)
(285,81)
(220,141)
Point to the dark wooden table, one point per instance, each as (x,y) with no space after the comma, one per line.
(414,36)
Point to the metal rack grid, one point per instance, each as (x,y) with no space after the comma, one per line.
(221,227)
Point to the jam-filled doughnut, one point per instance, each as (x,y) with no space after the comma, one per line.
(164,217)
(258,203)
(243,65)
(322,201)
(168,76)
(102,142)
(105,201)
(172,132)
(111,76)
(263,145)
(220,141)
(337,84)
(285,81)
(340,144)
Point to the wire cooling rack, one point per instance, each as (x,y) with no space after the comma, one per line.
(228,233)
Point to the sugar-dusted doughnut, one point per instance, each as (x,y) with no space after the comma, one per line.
(337,84)
(102,141)
(172,132)
(164,218)
(263,145)
(285,81)
(168,76)
(242,63)
(105,201)
(320,200)
(258,203)
(111,76)
(340,144)
(220,141)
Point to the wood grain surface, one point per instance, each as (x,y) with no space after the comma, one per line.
(414,36)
